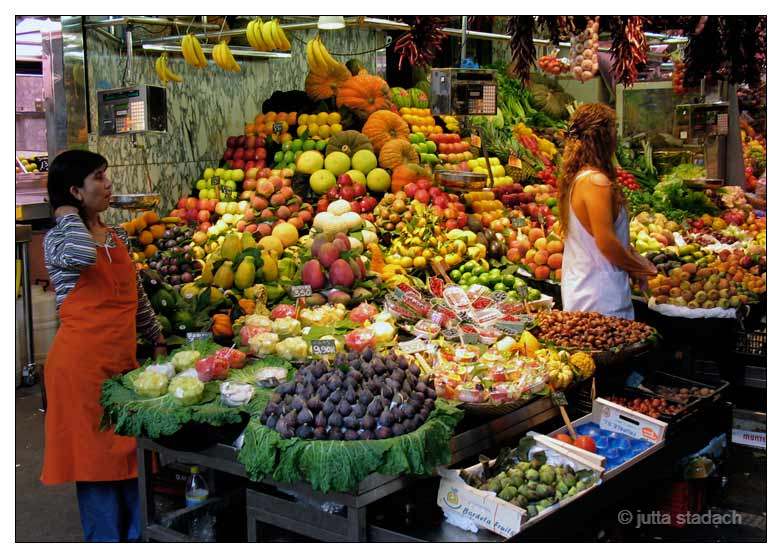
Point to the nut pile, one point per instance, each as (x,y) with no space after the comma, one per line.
(590,330)
(651,407)
(683,395)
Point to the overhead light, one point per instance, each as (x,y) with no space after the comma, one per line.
(331,22)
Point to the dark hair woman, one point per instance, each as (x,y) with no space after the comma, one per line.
(101,306)
(598,258)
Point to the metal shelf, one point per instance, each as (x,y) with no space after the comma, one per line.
(236,51)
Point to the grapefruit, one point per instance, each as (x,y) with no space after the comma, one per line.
(337,163)
(357,176)
(322,181)
(309,162)
(364,160)
(378,180)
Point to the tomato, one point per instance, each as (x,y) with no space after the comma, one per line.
(564,438)
(585,443)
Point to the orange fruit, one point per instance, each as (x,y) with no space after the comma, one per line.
(157,231)
(150,250)
(292,116)
(249,128)
(259,119)
(150,217)
(129,227)
(146,238)
(270,116)
(282,116)
(268,127)
(139,224)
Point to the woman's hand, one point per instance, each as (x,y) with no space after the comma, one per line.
(64,210)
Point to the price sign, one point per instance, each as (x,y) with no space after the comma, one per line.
(215,181)
(43,163)
(475,140)
(323,347)
(412,347)
(197,335)
(514,161)
(277,127)
(498,296)
(559,399)
(301,291)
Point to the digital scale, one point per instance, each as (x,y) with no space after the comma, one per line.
(703,128)
(463,92)
(129,110)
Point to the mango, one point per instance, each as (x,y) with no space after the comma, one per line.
(245,273)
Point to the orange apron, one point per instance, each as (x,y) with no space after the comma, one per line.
(96,340)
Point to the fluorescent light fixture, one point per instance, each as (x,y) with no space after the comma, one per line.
(331,22)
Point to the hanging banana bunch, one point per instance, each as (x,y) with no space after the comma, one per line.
(267,36)
(164,73)
(191,50)
(319,59)
(224,58)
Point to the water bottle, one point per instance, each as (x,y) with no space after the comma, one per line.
(196,491)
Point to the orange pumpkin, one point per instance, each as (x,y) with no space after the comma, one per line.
(383,126)
(325,86)
(397,152)
(364,94)
(405,174)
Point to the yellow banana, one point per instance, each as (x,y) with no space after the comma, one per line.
(188,52)
(249,33)
(199,52)
(258,32)
(161,74)
(228,59)
(170,74)
(328,59)
(320,66)
(311,55)
(280,39)
(217,55)
(268,35)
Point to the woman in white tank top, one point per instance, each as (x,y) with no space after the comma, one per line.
(598,258)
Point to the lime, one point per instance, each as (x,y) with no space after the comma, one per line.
(533,294)
(287,146)
(456,275)
(308,145)
(501,287)
(466,277)
(321,145)
(278,157)
(469,266)
(296,145)
(518,283)
(288,158)
(483,278)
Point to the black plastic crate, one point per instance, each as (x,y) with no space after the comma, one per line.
(751,343)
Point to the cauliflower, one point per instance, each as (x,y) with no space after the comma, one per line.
(257,320)
(293,348)
(263,343)
(186,390)
(286,327)
(185,359)
(150,383)
(166,368)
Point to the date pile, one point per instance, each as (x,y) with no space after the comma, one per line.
(589,330)
(650,406)
(362,395)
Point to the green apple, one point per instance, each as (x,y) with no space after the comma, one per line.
(237,175)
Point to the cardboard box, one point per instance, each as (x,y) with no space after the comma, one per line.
(615,418)
(487,511)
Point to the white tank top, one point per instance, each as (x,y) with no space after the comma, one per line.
(591,283)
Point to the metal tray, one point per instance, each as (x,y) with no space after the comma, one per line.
(135,201)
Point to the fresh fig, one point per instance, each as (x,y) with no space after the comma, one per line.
(359,410)
(417,396)
(350,395)
(344,408)
(375,407)
(305,416)
(414,370)
(299,388)
(398,430)
(271,422)
(420,387)
(407,409)
(430,393)
(386,418)
(277,396)
(335,420)
(383,432)
(367,435)
(336,396)
(298,403)
(368,422)
(365,397)
(282,427)
(399,416)
(350,422)
(402,363)
(304,432)
(334,384)
(272,409)
(386,392)
(417,422)
(351,435)
(393,384)
(320,420)
(408,425)
(398,375)
(288,388)
(328,408)
(320,433)
(335,434)
(367,354)
(323,393)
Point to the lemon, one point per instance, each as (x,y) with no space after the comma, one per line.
(406,262)
(334,118)
(335,128)
(322,118)
(303,120)
(301,129)
(419,262)
(324,131)
(313,129)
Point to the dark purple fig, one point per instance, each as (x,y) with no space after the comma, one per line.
(359,410)
(378,366)
(408,424)
(398,430)
(414,370)
(272,409)
(367,435)
(350,395)
(367,354)
(430,393)
(375,407)
(336,396)
(308,391)
(393,384)
(424,413)
(420,387)
(365,397)
(366,369)
(398,375)
(323,393)
(299,388)
(335,434)
(328,407)
(305,416)
(271,422)
(386,418)
(288,388)
(344,408)
(351,435)
(282,426)
(314,404)
(335,420)
(417,422)
(368,422)
(402,363)
(399,416)
(418,397)
(386,392)
(350,422)
(429,404)
(407,409)
(406,388)
(397,399)
(321,420)
(320,433)
(298,403)
(383,432)
(350,383)
(304,432)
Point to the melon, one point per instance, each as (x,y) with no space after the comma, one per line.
(364,161)
(322,181)
(400,97)
(418,99)
(337,163)
(286,233)
(272,244)
(309,162)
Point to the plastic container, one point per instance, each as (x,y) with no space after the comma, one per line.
(45,321)
(196,489)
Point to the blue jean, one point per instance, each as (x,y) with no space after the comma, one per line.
(109,510)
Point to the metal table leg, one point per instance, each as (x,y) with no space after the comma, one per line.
(146,496)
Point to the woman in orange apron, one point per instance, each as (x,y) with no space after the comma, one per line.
(100,299)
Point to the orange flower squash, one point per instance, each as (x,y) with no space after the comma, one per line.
(325,86)
(397,152)
(364,94)
(383,126)
(405,174)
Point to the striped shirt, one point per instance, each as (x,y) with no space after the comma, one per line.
(69,248)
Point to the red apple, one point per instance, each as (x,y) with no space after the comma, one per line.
(355,206)
(360,189)
(204,226)
(410,189)
(422,196)
(181,203)
(237,164)
(366,205)
(249,165)
(461,220)
(191,203)
(231,141)
(240,141)
(204,215)
(192,215)
(347,193)
(203,204)
(333,194)
(424,183)
(228,154)
(345,180)
(250,142)
(212,205)
(260,154)
(239,154)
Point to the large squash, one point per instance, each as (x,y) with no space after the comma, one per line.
(383,126)
(325,86)
(348,142)
(405,174)
(364,94)
(397,152)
